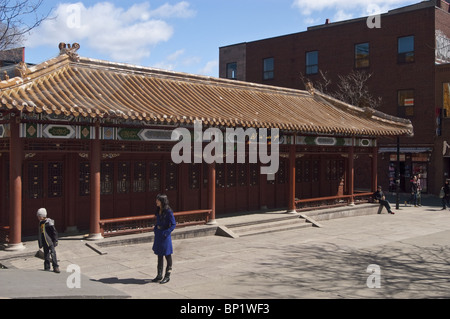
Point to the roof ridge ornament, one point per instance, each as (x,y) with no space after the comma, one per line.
(21,69)
(70,50)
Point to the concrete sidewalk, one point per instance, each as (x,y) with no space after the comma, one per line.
(410,248)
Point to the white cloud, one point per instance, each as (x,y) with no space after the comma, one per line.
(174,56)
(341,15)
(179,10)
(177,60)
(211,68)
(125,35)
(365,7)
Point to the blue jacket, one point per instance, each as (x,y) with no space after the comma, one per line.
(165,224)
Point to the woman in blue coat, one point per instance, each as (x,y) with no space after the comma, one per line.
(162,244)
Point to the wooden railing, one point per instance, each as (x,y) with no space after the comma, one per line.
(332,201)
(141,224)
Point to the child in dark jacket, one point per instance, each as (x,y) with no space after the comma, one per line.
(48,239)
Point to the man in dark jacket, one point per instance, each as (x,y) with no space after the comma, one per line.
(378,196)
(446,195)
(48,239)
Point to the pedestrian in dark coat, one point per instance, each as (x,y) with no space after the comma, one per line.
(379,197)
(162,244)
(414,190)
(48,239)
(445,195)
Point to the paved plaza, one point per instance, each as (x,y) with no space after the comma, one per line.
(406,255)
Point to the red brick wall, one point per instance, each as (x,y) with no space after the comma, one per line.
(335,43)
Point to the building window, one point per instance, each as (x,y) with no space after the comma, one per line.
(139,177)
(446,99)
(171,176)
(242,175)
(35,180)
(123,178)
(254,174)
(362,55)
(84,177)
(154,182)
(106,178)
(312,62)
(232,70)
(405,103)
(405,49)
(55,179)
(231,175)
(194,176)
(268,68)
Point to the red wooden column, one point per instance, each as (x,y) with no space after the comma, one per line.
(15,187)
(351,172)
(212,193)
(291,206)
(374,169)
(95,162)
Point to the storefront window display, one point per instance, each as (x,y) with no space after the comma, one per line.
(410,165)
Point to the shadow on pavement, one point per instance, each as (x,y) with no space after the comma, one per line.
(124,281)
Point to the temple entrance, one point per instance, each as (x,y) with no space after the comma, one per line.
(44,185)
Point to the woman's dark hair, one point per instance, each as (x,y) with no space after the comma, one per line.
(164,201)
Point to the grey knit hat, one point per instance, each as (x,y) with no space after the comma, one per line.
(42,212)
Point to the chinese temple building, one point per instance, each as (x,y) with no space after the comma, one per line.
(91,141)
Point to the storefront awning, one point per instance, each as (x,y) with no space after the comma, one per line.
(405,150)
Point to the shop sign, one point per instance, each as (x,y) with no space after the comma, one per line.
(393,157)
(420,157)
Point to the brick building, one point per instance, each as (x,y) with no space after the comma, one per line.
(408,58)
(9,59)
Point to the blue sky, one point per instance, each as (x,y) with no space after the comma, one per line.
(181,35)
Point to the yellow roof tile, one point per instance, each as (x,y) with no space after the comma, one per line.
(100,89)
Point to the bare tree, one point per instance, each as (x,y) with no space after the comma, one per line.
(351,88)
(321,85)
(17,18)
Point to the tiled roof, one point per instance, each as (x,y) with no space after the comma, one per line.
(99,89)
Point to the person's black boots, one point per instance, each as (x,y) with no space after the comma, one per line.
(166,276)
(159,276)
(160,270)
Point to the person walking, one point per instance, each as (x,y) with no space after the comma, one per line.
(380,198)
(48,239)
(162,244)
(419,190)
(445,195)
(413,197)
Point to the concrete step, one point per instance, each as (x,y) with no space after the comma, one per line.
(268,226)
(346,211)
